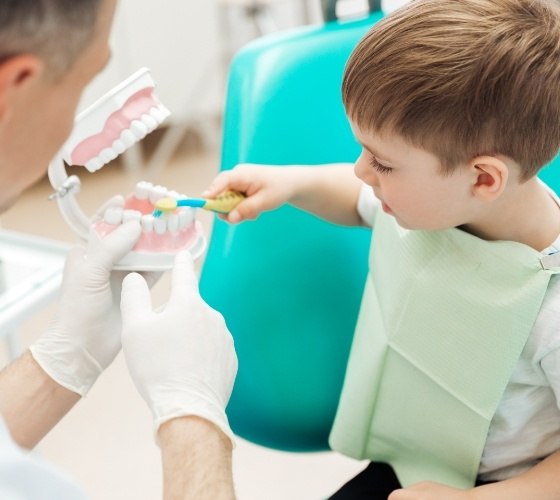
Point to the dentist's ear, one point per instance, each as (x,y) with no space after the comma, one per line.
(490,176)
(16,72)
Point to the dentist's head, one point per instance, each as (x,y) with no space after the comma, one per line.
(49,51)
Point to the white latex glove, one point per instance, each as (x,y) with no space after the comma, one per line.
(182,358)
(84,337)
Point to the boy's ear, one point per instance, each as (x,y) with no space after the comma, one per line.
(16,73)
(490,177)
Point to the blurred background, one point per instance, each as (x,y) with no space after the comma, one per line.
(106,442)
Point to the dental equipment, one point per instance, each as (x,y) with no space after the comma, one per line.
(104,130)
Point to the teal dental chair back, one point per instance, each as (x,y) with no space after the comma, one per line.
(288,284)
(551,175)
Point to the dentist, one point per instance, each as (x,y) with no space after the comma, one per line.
(181,359)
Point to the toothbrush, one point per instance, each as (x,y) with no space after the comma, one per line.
(222,204)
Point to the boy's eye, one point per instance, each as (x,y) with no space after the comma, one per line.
(382,169)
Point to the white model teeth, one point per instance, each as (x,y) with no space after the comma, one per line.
(142,190)
(137,130)
(157,193)
(150,122)
(158,115)
(131,215)
(94,164)
(128,138)
(173,223)
(186,217)
(107,155)
(119,147)
(147,222)
(113,215)
(173,194)
(160,225)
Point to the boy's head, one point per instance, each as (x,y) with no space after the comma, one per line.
(49,51)
(463,78)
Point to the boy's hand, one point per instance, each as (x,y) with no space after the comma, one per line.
(265,187)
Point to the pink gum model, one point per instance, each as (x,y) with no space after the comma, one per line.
(111,125)
(169,233)
(122,117)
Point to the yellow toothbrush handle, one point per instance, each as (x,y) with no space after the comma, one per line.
(225,202)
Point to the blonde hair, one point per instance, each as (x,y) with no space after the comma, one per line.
(460,78)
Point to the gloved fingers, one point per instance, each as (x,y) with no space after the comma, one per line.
(135,297)
(108,251)
(115,201)
(184,282)
(117,278)
(74,259)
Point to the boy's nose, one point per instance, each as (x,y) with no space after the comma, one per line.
(365,172)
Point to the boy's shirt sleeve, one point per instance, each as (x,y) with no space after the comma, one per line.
(368,205)
(546,336)
(550,364)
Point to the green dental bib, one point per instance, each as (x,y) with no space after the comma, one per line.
(444,318)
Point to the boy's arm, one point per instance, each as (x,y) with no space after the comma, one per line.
(329,191)
(542,482)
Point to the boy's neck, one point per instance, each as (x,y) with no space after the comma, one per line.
(526,213)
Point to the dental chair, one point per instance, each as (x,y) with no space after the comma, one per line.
(288,284)
(551,175)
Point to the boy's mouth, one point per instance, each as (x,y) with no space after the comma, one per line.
(386,208)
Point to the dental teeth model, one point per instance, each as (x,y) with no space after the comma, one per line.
(161,237)
(124,116)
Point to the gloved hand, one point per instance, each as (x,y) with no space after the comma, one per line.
(181,359)
(84,337)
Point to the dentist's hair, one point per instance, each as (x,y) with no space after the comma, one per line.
(56,30)
(461,78)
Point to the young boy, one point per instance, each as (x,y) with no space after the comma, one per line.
(453,381)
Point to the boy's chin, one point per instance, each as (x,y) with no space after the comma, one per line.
(418,226)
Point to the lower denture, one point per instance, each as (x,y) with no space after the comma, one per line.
(150,241)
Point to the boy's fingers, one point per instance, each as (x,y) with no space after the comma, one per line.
(218,185)
(250,208)
(239,178)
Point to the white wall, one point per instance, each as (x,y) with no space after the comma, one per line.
(187,45)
